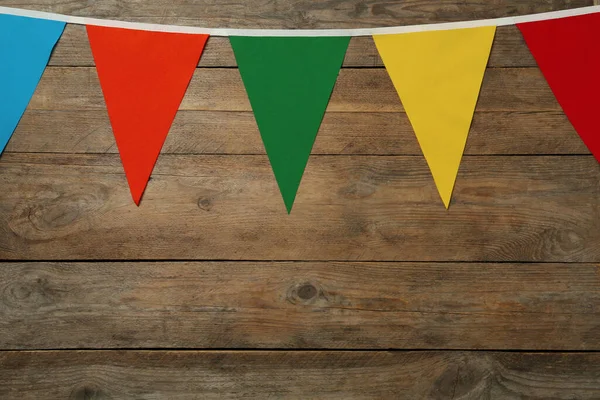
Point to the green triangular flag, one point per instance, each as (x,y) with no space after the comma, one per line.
(289,81)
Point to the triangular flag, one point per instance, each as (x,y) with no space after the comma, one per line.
(289,81)
(567,53)
(144,76)
(438,76)
(25,48)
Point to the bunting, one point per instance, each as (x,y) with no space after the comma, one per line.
(438,76)
(437,71)
(289,82)
(144,76)
(567,53)
(25,48)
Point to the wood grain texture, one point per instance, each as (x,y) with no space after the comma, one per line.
(230,132)
(509,50)
(296,13)
(300,305)
(297,375)
(348,208)
(356,90)
(465,283)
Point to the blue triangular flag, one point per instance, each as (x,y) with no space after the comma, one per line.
(25,48)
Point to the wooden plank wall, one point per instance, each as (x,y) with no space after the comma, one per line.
(369,289)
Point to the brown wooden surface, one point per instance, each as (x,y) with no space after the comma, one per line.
(231,132)
(188,284)
(298,375)
(356,90)
(292,14)
(511,208)
(300,305)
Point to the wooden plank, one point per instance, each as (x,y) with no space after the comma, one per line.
(509,50)
(297,375)
(299,305)
(294,14)
(348,208)
(224,132)
(356,90)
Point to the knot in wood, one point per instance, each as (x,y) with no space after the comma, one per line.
(304,293)
(89,392)
(307,291)
(55,213)
(29,294)
(205,203)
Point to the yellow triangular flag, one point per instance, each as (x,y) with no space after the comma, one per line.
(438,76)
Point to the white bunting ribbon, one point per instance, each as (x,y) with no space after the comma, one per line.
(301,32)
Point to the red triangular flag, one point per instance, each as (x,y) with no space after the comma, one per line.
(144,76)
(567,53)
